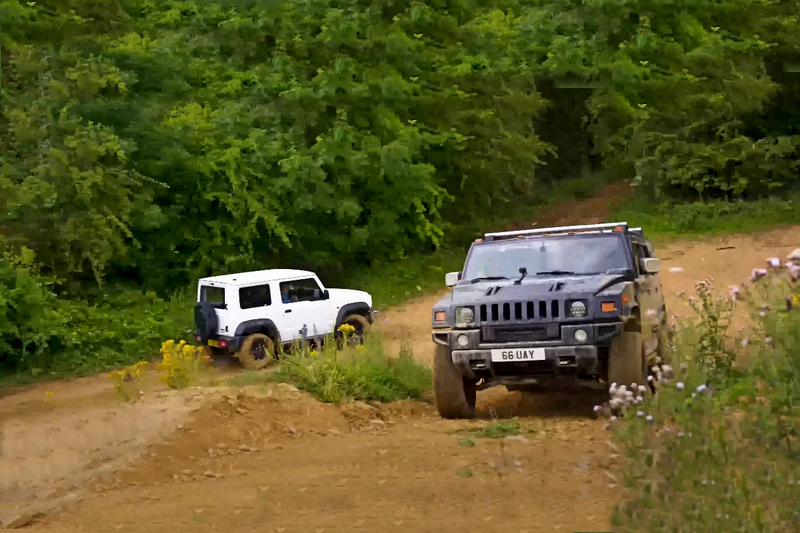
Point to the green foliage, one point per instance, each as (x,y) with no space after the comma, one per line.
(720,453)
(42,334)
(156,142)
(715,217)
(29,317)
(120,330)
(363,372)
(499,430)
(217,136)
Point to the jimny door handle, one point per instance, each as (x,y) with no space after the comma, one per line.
(288,311)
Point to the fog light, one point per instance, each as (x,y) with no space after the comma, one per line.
(580,335)
(463,341)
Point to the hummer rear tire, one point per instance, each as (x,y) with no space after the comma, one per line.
(626,362)
(455,395)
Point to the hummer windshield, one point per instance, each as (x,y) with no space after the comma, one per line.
(551,256)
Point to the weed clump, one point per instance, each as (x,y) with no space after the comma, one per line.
(716,448)
(356,369)
(181,363)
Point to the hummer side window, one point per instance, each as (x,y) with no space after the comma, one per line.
(301,290)
(257,296)
(213,295)
(640,252)
(637,257)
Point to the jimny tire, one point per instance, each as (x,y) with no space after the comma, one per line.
(257,352)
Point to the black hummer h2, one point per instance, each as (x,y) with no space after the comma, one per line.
(537,306)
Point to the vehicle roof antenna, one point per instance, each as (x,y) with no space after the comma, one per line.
(524,272)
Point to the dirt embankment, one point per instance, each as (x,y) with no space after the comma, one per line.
(273,459)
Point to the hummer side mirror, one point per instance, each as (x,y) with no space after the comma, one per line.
(451,278)
(650,265)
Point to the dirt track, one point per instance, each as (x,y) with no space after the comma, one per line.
(275,460)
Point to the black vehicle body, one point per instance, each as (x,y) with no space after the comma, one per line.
(537,328)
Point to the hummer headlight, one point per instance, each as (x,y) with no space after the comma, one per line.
(465,315)
(577,309)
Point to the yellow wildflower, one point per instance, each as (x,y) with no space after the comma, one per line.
(49,393)
(313,353)
(346,328)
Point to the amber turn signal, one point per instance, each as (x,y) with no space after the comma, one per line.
(440,316)
(609,307)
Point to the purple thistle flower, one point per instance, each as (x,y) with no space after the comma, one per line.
(768,340)
(774,262)
(613,419)
(649,418)
(639,414)
(745,342)
(679,385)
(702,388)
(597,408)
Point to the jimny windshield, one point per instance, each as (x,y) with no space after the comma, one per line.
(581,255)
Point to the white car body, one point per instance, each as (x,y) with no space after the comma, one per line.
(251,302)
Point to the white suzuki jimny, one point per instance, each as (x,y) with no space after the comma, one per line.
(254,314)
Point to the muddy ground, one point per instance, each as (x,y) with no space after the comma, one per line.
(73,457)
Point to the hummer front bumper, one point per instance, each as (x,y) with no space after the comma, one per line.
(559,360)
(563,356)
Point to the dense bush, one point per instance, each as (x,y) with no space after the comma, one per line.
(29,316)
(718,448)
(159,141)
(43,333)
(155,142)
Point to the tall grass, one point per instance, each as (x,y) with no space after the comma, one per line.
(359,372)
(717,449)
(713,217)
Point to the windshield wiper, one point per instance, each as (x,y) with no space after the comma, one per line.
(555,273)
(487,278)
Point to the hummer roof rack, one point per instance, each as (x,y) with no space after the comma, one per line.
(566,230)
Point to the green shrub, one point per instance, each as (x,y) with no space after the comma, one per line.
(362,373)
(717,449)
(120,330)
(499,430)
(709,218)
(43,333)
(29,315)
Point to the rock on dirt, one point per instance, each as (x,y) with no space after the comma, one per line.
(17,522)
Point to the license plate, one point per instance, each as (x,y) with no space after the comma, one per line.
(518,354)
(212,342)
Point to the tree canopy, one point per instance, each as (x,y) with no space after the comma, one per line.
(160,141)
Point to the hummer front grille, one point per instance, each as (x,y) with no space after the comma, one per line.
(521,333)
(520,312)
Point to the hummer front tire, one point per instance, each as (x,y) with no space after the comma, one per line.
(455,395)
(626,362)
